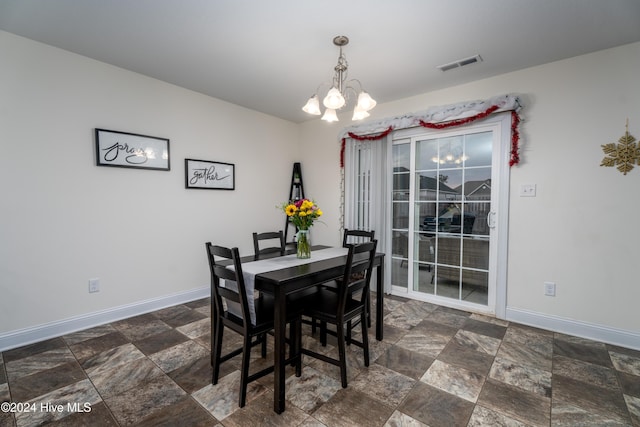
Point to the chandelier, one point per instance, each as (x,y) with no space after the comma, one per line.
(338,95)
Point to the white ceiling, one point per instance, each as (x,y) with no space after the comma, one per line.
(271,55)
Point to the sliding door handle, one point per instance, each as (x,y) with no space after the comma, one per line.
(491,219)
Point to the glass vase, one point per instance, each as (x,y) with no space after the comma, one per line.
(303,246)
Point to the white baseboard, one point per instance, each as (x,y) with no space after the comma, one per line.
(46,331)
(619,337)
(58,328)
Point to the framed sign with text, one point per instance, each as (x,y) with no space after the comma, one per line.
(207,175)
(130,150)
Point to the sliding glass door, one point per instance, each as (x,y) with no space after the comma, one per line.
(445,198)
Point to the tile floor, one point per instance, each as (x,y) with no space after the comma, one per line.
(435,367)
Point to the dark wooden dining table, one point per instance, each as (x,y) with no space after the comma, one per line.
(287,281)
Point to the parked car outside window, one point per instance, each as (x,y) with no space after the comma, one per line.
(449,221)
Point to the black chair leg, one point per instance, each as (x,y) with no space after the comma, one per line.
(213,334)
(244,370)
(342,354)
(297,345)
(365,338)
(323,333)
(294,331)
(263,347)
(216,351)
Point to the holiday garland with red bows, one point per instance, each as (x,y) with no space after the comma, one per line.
(515,135)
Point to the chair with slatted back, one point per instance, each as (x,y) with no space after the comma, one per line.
(340,308)
(357,236)
(353,237)
(276,240)
(238,317)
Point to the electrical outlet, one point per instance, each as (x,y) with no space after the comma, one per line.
(94,285)
(550,289)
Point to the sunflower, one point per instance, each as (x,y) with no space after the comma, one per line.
(290,210)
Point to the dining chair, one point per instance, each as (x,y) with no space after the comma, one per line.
(240,320)
(271,236)
(339,308)
(353,237)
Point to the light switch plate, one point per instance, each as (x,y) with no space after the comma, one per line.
(528,190)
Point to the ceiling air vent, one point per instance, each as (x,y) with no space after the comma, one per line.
(460,63)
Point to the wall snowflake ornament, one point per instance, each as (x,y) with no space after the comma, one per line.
(624,155)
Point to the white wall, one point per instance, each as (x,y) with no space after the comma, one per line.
(581,231)
(65,220)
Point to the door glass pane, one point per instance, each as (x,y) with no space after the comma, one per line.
(426,185)
(477,183)
(475,218)
(401,157)
(400,245)
(424,249)
(400,215)
(475,252)
(401,186)
(399,273)
(449,182)
(425,217)
(475,285)
(448,249)
(426,154)
(447,282)
(423,278)
(478,149)
(400,260)
(451,152)
(451,199)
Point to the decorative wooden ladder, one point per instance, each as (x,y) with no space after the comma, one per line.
(296,193)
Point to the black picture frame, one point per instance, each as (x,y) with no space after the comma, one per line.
(131,150)
(209,175)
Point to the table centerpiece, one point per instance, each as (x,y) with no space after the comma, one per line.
(302,213)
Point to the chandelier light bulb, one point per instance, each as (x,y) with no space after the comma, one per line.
(330,115)
(365,102)
(334,99)
(359,114)
(312,106)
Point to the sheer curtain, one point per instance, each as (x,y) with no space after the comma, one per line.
(367,192)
